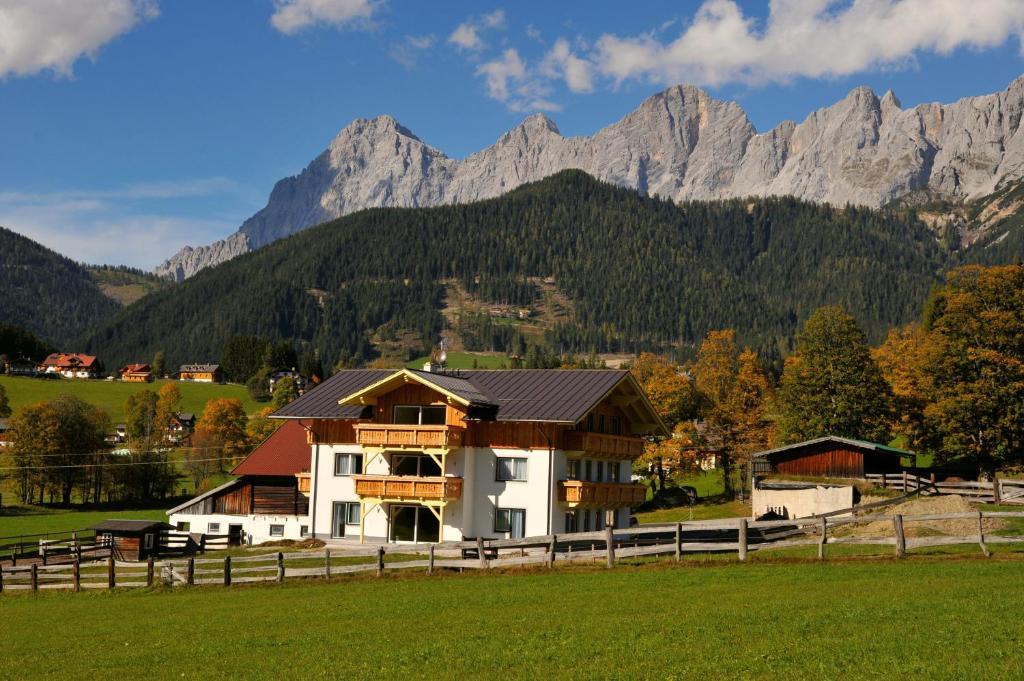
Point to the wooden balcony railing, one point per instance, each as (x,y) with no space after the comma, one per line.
(599,444)
(303,482)
(394,435)
(400,487)
(604,494)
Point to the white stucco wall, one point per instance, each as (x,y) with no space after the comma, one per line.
(255,527)
(801,503)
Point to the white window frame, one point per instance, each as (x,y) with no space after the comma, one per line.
(278,528)
(303,530)
(353,506)
(148,541)
(352,468)
(516,461)
(213,528)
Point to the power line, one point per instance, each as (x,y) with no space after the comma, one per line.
(114,452)
(115,463)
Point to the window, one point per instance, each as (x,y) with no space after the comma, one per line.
(600,423)
(613,471)
(600,471)
(615,426)
(586,520)
(303,530)
(590,422)
(511,468)
(571,522)
(420,415)
(348,464)
(414,464)
(343,513)
(183,526)
(511,520)
(572,469)
(277,530)
(149,541)
(598,520)
(213,528)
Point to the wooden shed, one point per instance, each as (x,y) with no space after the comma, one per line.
(830,457)
(133,539)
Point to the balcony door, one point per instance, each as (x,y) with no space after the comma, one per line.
(414,524)
(418,465)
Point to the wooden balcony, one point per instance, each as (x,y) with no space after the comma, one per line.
(601,494)
(601,445)
(408,488)
(302,479)
(394,435)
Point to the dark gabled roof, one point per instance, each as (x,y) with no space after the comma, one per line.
(130,525)
(857,444)
(285,452)
(321,402)
(546,395)
(561,395)
(198,368)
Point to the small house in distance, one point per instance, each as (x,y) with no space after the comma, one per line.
(830,457)
(201,373)
(21,366)
(132,539)
(4,426)
(136,373)
(180,428)
(73,365)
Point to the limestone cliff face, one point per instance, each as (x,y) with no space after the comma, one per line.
(679,144)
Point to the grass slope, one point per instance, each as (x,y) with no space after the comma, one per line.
(465,360)
(851,620)
(111,395)
(31,520)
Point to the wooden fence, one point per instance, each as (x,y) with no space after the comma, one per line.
(739,536)
(999,491)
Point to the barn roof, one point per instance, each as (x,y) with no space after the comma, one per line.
(544,395)
(285,452)
(208,493)
(130,525)
(863,445)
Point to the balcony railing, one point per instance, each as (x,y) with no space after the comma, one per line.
(604,494)
(395,435)
(402,488)
(599,444)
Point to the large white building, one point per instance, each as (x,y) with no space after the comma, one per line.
(415,456)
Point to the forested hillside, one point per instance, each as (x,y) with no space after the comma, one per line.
(46,293)
(642,273)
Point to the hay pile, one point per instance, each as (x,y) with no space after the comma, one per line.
(953,503)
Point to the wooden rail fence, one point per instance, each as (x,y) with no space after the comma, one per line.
(739,536)
(999,491)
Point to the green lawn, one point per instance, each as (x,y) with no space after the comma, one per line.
(19,520)
(919,618)
(111,395)
(464,360)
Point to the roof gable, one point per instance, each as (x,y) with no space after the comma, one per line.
(862,445)
(285,452)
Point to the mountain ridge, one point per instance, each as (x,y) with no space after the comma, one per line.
(680,144)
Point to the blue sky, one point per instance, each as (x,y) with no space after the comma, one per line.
(132,127)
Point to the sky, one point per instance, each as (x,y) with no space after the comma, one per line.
(129,128)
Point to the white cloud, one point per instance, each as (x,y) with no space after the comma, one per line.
(807,38)
(138,225)
(406,51)
(51,35)
(509,81)
(561,62)
(292,16)
(466,35)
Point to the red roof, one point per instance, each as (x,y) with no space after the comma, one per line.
(136,369)
(286,452)
(68,361)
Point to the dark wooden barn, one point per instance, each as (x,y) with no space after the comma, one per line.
(133,539)
(830,457)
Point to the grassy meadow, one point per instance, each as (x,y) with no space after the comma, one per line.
(20,520)
(933,618)
(465,360)
(111,395)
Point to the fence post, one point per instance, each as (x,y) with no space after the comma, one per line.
(42,550)
(679,542)
(380,561)
(1,579)
(149,571)
(35,577)
(227,570)
(327,563)
(190,572)
(551,551)
(280,566)
(111,578)
(901,540)
(743,540)
(905,488)
(609,542)
(981,535)
(823,538)
(430,560)
(997,494)
(480,552)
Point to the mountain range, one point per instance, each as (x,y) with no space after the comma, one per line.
(680,144)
